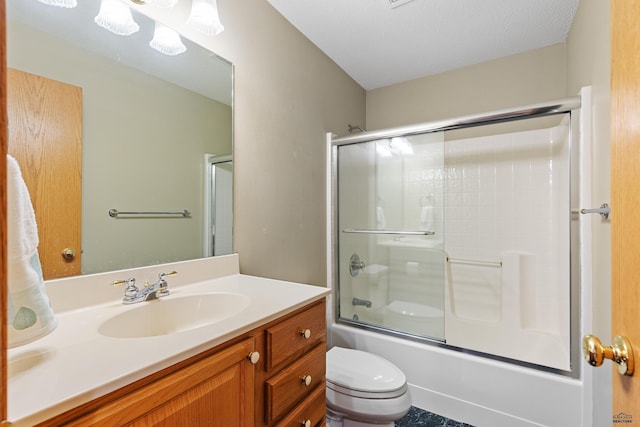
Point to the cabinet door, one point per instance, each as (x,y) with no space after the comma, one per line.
(216,391)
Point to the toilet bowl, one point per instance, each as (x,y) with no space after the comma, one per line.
(364,390)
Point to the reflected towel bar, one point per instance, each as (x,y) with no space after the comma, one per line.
(497,264)
(401,232)
(114,213)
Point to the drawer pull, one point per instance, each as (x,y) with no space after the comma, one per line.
(306,333)
(253,357)
(306,380)
(306,423)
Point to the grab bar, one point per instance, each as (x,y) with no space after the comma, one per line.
(114,213)
(497,264)
(376,231)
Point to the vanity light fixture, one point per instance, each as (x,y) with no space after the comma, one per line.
(167,41)
(60,3)
(116,17)
(204,17)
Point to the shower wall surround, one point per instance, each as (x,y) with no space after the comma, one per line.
(495,275)
(507,206)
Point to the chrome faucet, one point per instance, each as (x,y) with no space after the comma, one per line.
(358,301)
(132,294)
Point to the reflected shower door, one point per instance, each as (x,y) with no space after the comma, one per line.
(218,206)
(391,234)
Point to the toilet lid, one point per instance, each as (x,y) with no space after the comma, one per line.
(362,371)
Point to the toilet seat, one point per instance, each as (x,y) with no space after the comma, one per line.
(365,386)
(360,374)
(359,371)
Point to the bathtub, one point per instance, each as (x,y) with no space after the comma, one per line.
(474,389)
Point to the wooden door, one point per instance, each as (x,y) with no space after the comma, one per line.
(625,199)
(45,137)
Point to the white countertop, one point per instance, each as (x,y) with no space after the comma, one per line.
(75,363)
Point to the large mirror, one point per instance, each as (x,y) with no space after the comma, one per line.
(156,140)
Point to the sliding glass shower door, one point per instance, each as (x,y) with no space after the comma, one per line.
(391,257)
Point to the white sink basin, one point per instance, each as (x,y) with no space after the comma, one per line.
(173,314)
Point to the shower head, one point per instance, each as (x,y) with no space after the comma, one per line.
(351,128)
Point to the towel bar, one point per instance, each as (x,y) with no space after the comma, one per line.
(478,262)
(114,213)
(376,231)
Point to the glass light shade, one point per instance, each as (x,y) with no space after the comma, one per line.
(167,41)
(204,17)
(116,17)
(60,3)
(162,3)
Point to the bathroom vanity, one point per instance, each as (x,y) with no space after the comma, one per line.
(262,365)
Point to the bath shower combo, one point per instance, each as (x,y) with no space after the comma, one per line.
(455,246)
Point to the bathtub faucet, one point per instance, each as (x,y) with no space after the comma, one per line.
(358,301)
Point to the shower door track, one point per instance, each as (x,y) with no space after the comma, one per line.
(534,110)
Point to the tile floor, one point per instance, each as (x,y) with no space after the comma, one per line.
(421,418)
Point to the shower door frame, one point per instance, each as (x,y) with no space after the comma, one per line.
(210,201)
(570,105)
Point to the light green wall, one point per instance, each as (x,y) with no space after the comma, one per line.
(143,150)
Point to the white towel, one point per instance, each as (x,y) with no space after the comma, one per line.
(426,218)
(30,315)
(381,222)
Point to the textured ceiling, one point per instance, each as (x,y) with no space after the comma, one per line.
(379,45)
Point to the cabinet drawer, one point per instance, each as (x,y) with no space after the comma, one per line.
(288,387)
(313,409)
(288,337)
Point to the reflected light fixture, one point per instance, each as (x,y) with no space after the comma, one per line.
(167,41)
(116,17)
(204,17)
(382,148)
(401,145)
(60,3)
(165,4)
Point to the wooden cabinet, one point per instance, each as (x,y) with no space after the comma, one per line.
(222,387)
(294,369)
(215,391)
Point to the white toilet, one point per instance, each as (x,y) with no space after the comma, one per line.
(364,390)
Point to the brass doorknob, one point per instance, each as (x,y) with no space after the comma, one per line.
(68,254)
(620,352)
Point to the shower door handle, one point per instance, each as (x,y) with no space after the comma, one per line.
(355,265)
(621,352)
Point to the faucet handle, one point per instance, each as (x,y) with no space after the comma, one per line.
(131,281)
(163,275)
(131,290)
(163,288)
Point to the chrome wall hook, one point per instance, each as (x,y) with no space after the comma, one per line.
(604,210)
